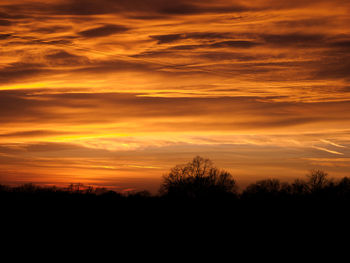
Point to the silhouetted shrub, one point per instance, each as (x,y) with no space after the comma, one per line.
(343,188)
(299,188)
(267,189)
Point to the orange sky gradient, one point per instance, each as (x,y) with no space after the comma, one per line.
(114,93)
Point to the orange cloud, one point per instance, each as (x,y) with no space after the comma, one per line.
(262,87)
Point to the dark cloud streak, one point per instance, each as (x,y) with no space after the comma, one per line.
(21,106)
(4,22)
(103,31)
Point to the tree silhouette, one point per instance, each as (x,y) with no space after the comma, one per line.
(198,179)
(317,180)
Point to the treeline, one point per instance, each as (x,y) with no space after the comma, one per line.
(198,180)
(194,200)
(315,186)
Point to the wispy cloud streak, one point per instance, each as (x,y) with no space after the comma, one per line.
(248,83)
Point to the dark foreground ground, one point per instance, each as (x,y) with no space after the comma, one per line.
(261,218)
(195,207)
(191,195)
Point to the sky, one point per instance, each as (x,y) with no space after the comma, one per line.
(114,93)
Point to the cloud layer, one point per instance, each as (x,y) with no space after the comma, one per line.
(118,91)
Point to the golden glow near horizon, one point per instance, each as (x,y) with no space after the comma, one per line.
(115,92)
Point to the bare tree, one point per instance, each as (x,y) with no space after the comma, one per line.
(197,179)
(317,180)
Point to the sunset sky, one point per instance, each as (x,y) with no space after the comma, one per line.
(114,93)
